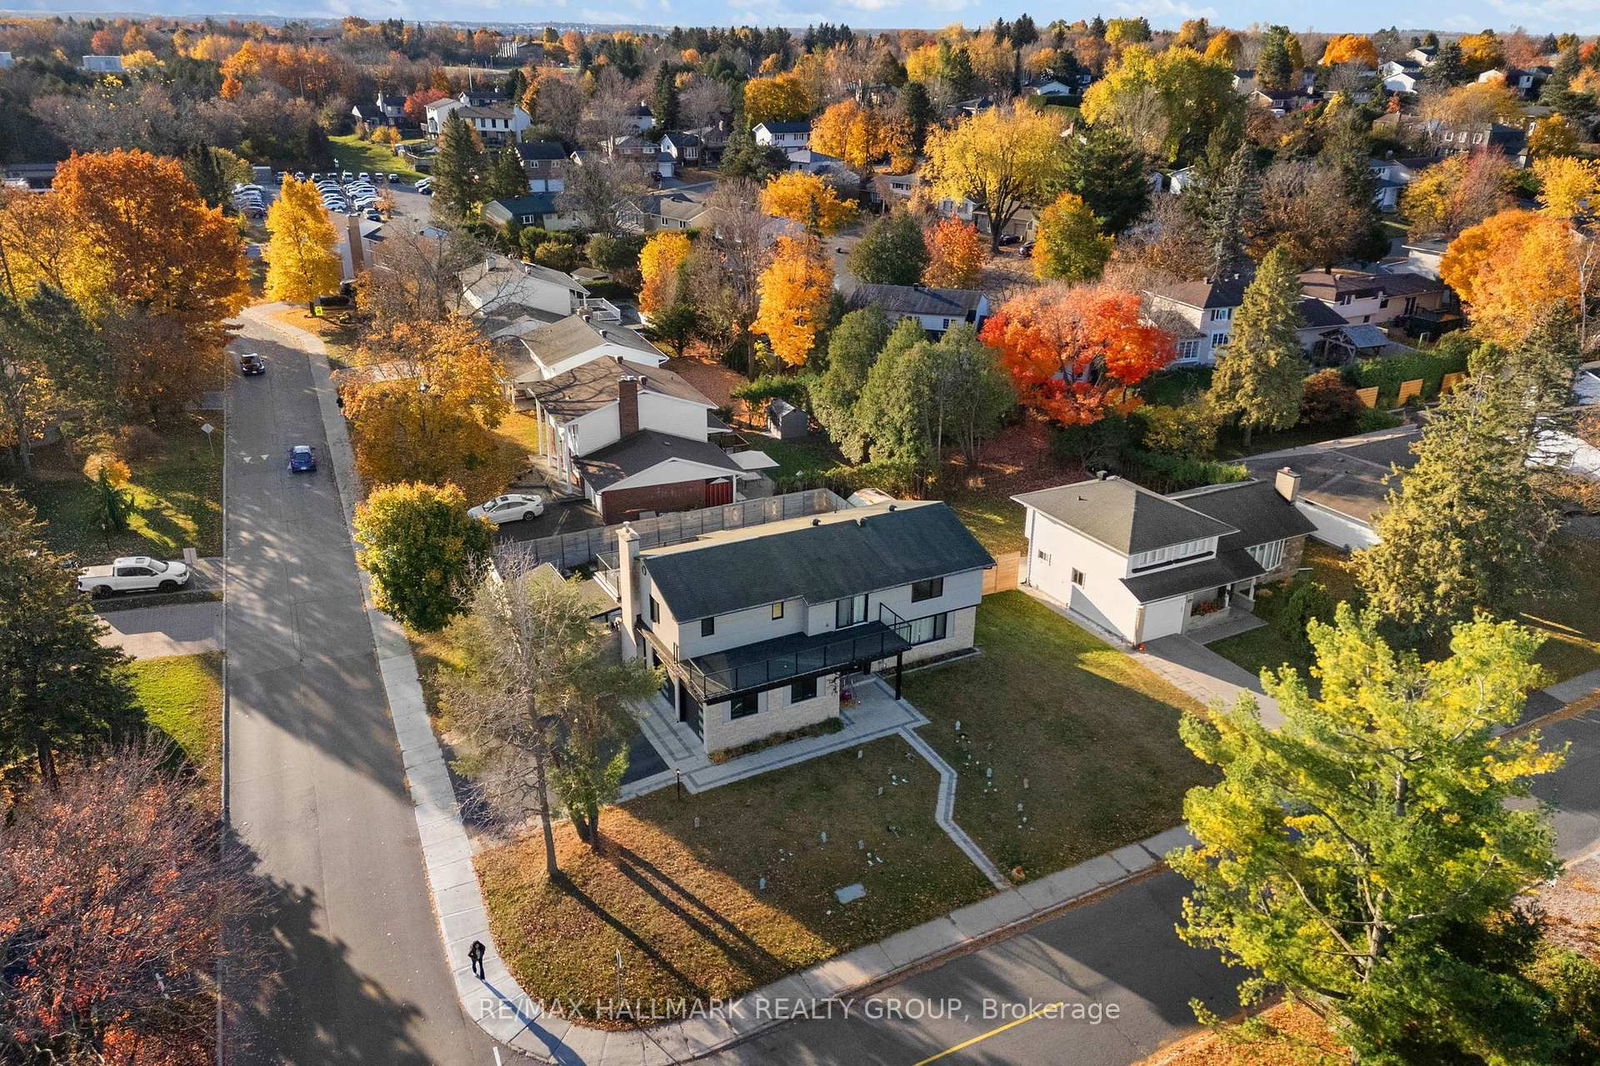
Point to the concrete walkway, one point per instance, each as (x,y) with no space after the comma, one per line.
(945,810)
(1202,673)
(157,632)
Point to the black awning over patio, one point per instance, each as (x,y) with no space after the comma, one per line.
(770,663)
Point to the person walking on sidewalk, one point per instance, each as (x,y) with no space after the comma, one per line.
(475,954)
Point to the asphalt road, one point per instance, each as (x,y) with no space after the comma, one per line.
(352,968)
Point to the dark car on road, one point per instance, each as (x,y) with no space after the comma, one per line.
(302,459)
(250,365)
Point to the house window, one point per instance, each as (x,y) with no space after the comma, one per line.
(1219,340)
(927,629)
(1189,349)
(1044,556)
(744,706)
(850,611)
(777,610)
(1191,549)
(1077,576)
(1346,298)
(655,610)
(1222,314)
(708,627)
(930,589)
(1269,555)
(805,689)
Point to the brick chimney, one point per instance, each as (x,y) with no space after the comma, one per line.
(1287,482)
(628,404)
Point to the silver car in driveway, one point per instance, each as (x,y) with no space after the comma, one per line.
(513,507)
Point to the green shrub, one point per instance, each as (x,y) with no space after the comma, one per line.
(897,477)
(1387,372)
(1371,419)
(1175,473)
(1190,429)
(1306,601)
(558,254)
(796,388)
(1098,445)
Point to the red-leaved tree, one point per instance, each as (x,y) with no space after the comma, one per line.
(113,896)
(1073,350)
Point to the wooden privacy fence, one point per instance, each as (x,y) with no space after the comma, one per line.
(1005,574)
(567,550)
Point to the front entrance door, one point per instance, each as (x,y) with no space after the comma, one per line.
(689,710)
(719,492)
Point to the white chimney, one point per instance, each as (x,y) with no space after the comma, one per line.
(628,586)
(1287,482)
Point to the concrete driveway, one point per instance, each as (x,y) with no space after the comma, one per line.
(351,968)
(156,632)
(570,517)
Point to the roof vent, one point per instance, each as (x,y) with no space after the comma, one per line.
(862,522)
(816,521)
(893,506)
(1101,475)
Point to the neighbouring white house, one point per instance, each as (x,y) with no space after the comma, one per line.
(1401,81)
(783,135)
(582,338)
(103,64)
(633,439)
(495,123)
(759,630)
(1344,485)
(936,309)
(1423,55)
(1199,315)
(1143,566)
(500,285)
(641,118)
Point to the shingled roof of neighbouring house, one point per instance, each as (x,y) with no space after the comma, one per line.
(1125,517)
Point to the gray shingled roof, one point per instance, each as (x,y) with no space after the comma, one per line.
(1225,569)
(915,299)
(638,452)
(593,385)
(1253,507)
(1123,516)
(575,335)
(818,559)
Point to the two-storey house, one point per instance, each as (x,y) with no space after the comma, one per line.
(1199,315)
(495,123)
(545,163)
(500,285)
(760,629)
(1142,565)
(936,310)
(785,135)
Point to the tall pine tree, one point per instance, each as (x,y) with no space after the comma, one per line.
(1261,373)
(458,167)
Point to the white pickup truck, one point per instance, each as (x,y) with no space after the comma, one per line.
(133,573)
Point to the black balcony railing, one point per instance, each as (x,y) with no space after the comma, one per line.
(863,643)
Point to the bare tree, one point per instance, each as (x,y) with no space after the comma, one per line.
(541,700)
(560,106)
(725,278)
(597,187)
(114,893)
(703,101)
(414,278)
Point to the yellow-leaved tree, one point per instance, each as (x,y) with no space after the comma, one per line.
(862,136)
(1566,184)
(302,261)
(660,263)
(782,98)
(808,200)
(796,288)
(1001,159)
(1512,268)
(1350,48)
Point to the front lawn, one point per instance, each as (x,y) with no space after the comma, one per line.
(355,155)
(1268,647)
(682,901)
(182,699)
(1067,748)
(176,493)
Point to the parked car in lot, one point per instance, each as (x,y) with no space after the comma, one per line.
(133,573)
(394,179)
(513,507)
(302,459)
(251,364)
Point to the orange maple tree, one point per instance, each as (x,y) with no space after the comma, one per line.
(1512,267)
(955,254)
(796,288)
(168,263)
(660,262)
(1073,350)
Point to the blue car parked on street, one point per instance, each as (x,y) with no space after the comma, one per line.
(302,459)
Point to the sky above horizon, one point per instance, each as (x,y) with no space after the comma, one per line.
(1580,16)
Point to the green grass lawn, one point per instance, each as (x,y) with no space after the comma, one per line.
(1268,647)
(799,458)
(993,517)
(683,903)
(176,495)
(353,154)
(182,698)
(1071,729)
(1177,386)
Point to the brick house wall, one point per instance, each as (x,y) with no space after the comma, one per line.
(619,505)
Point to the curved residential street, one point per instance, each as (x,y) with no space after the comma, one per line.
(353,968)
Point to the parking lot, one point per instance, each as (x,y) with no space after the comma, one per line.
(569,517)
